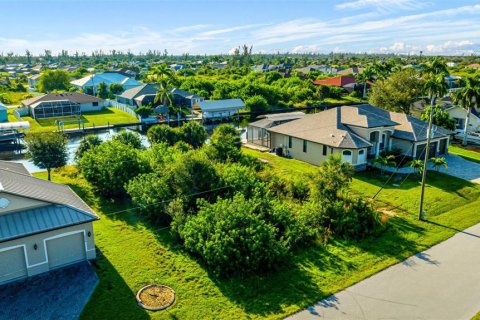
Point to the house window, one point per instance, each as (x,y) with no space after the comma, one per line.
(347,156)
(289,142)
(304,145)
(95,104)
(324,151)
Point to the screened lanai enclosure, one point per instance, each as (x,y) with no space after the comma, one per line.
(257,132)
(57,108)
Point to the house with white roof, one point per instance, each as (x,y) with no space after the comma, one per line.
(91,82)
(220,109)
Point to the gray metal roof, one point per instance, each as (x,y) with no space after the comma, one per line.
(13,166)
(39,189)
(28,222)
(221,105)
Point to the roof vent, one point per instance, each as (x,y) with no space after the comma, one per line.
(332,135)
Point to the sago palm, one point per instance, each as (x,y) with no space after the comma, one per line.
(438,163)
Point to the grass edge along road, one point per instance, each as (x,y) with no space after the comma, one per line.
(133,254)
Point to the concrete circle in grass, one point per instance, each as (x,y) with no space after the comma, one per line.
(155,297)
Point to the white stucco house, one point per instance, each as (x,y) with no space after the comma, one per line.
(62,104)
(43,225)
(357,133)
(459,114)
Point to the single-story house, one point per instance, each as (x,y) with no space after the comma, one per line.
(220,109)
(140,95)
(185,99)
(62,104)
(474,66)
(91,82)
(33,80)
(3,113)
(319,68)
(145,95)
(339,81)
(257,131)
(43,225)
(352,70)
(356,133)
(459,114)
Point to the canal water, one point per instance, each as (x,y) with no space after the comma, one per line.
(8,153)
(72,146)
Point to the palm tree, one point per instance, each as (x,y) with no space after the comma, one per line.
(385,161)
(467,97)
(364,77)
(164,94)
(163,72)
(416,165)
(439,162)
(434,67)
(435,87)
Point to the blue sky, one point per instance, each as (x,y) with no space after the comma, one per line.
(203,26)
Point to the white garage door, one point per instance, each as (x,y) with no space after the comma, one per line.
(12,264)
(66,250)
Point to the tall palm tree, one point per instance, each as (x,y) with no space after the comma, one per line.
(466,97)
(163,72)
(435,66)
(435,86)
(364,77)
(164,94)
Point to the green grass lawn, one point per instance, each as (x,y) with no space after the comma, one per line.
(471,155)
(133,254)
(90,119)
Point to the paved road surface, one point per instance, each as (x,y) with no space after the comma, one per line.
(441,283)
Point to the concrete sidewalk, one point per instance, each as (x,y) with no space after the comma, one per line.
(441,283)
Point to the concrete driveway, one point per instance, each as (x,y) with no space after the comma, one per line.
(461,168)
(59,294)
(441,283)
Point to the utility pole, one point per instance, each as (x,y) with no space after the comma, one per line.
(421,215)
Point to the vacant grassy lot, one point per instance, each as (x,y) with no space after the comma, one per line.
(14,98)
(133,254)
(472,154)
(89,119)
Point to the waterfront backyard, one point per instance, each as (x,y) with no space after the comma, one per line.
(132,253)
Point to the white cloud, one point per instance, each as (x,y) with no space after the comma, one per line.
(383,5)
(448,31)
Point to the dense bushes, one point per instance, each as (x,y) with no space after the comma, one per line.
(239,234)
(192,133)
(109,166)
(231,211)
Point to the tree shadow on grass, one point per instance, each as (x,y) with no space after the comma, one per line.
(397,241)
(112,296)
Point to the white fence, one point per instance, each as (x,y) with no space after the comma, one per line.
(123,107)
(21,112)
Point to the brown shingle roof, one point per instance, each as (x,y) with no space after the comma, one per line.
(76,97)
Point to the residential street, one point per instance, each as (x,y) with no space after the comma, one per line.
(462,168)
(442,282)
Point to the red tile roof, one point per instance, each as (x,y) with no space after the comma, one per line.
(339,81)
